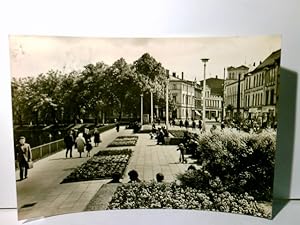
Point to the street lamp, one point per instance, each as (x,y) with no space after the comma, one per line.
(142,109)
(167,100)
(204,60)
(151,92)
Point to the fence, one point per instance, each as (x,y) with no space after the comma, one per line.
(47,149)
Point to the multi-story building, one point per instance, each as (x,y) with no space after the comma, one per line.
(183,94)
(257,90)
(261,90)
(187,96)
(234,91)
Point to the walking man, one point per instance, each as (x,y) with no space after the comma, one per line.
(69,142)
(24,156)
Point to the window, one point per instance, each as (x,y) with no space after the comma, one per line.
(174,98)
(267,98)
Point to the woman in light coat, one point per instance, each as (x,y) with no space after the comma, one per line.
(80,142)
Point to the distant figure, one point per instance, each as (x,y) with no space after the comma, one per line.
(116,176)
(89,147)
(117,126)
(80,142)
(213,128)
(23,156)
(159,177)
(181,148)
(222,125)
(96,137)
(173,122)
(180,123)
(133,176)
(193,124)
(69,142)
(186,124)
(160,136)
(200,125)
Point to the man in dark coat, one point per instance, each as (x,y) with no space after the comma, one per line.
(23,156)
(69,142)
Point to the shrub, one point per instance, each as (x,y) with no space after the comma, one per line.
(243,162)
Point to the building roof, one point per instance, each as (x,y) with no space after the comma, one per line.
(237,68)
(215,84)
(270,60)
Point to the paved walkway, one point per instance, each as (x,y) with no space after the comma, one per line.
(51,198)
(43,184)
(148,159)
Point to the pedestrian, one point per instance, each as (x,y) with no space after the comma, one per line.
(69,142)
(200,125)
(116,176)
(23,156)
(193,124)
(213,128)
(117,126)
(133,176)
(173,122)
(222,125)
(186,124)
(89,147)
(80,142)
(181,148)
(96,137)
(180,123)
(159,177)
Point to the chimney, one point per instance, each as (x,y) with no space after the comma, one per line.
(181,75)
(216,76)
(174,74)
(167,72)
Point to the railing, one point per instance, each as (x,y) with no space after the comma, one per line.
(44,150)
(47,149)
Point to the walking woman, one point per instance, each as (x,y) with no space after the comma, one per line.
(80,142)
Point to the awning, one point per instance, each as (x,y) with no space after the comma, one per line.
(197,112)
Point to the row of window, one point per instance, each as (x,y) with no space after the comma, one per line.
(255,80)
(256,99)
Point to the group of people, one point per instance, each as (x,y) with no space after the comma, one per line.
(187,124)
(81,141)
(133,177)
(160,133)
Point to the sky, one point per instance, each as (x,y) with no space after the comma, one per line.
(33,55)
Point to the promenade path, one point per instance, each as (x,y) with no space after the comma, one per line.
(45,196)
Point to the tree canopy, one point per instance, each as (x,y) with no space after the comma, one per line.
(56,97)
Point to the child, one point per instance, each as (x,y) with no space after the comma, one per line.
(89,147)
(182,151)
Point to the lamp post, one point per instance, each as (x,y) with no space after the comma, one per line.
(142,109)
(151,106)
(204,60)
(167,100)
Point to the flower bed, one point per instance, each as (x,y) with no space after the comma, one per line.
(124,141)
(101,166)
(173,196)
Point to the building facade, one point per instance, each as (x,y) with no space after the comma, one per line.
(188,99)
(258,90)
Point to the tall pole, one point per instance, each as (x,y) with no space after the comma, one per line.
(142,109)
(204,60)
(223,100)
(151,107)
(167,100)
